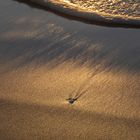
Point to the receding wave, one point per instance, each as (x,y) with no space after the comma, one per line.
(125,12)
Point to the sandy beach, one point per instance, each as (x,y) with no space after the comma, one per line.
(46,58)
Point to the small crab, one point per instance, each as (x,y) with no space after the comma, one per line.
(71,100)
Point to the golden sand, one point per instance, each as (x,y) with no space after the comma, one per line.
(46,59)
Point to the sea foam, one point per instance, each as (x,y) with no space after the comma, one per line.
(125,12)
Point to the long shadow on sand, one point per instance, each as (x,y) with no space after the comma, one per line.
(21,120)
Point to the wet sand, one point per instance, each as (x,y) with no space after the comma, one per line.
(46,58)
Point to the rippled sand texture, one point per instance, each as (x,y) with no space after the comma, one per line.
(116,7)
(46,59)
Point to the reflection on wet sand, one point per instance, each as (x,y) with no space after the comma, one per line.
(46,59)
(45,41)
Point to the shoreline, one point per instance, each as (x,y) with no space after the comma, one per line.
(46,59)
(98,18)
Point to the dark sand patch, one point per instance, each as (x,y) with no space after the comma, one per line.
(24,121)
(44,57)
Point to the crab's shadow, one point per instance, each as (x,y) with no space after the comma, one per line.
(75,97)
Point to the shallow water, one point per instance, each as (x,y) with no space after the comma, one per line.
(46,58)
(107,11)
(114,7)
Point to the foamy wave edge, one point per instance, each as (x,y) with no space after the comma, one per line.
(73,10)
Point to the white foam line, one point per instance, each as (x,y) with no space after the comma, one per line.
(64,6)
